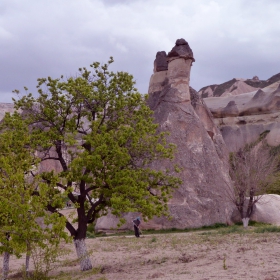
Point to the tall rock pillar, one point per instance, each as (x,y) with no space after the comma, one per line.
(201,152)
(180,60)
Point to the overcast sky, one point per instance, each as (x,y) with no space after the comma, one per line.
(229,38)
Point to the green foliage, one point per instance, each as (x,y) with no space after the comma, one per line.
(24,221)
(224,263)
(274,187)
(45,259)
(91,231)
(100,132)
(153,239)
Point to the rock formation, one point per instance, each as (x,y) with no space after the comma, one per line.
(243,118)
(6,108)
(238,86)
(265,211)
(201,152)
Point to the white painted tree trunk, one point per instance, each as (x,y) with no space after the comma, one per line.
(6,259)
(27,258)
(245,222)
(81,249)
(27,261)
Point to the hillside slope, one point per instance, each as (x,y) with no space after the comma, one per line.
(237,86)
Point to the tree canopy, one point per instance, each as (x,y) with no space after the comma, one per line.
(95,137)
(23,197)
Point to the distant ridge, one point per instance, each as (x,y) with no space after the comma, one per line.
(237,86)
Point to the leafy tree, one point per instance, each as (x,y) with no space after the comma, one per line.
(23,198)
(97,133)
(252,171)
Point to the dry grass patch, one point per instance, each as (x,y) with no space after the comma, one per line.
(229,253)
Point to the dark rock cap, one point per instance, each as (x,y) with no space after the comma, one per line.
(181,49)
(161,61)
(181,41)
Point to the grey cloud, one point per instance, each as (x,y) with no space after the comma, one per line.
(116,2)
(49,38)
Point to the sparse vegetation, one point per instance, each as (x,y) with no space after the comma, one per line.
(200,252)
(252,170)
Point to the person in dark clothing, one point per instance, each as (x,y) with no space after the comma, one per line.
(136,223)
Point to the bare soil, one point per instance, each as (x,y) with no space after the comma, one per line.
(216,254)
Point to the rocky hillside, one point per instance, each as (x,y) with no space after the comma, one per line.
(237,86)
(245,109)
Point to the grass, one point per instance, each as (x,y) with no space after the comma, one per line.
(78,274)
(161,231)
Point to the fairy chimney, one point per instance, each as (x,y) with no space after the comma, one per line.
(201,152)
(173,69)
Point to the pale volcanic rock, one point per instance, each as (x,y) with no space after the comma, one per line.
(231,109)
(273,137)
(6,108)
(244,117)
(237,88)
(157,81)
(201,151)
(266,210)
(178,75)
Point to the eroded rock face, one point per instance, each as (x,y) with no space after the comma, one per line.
(201,152)
(238,86)
(244,117)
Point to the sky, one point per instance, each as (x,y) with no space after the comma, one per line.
(229,38)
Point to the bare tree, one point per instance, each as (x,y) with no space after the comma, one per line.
(252,170)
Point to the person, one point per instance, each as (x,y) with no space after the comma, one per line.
(136,223)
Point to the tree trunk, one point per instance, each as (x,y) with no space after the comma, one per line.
(27,260)
(6,259)
(245,222)
(85,262)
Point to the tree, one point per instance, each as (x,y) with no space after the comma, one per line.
(252,171)
(98,130)
(23,198)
